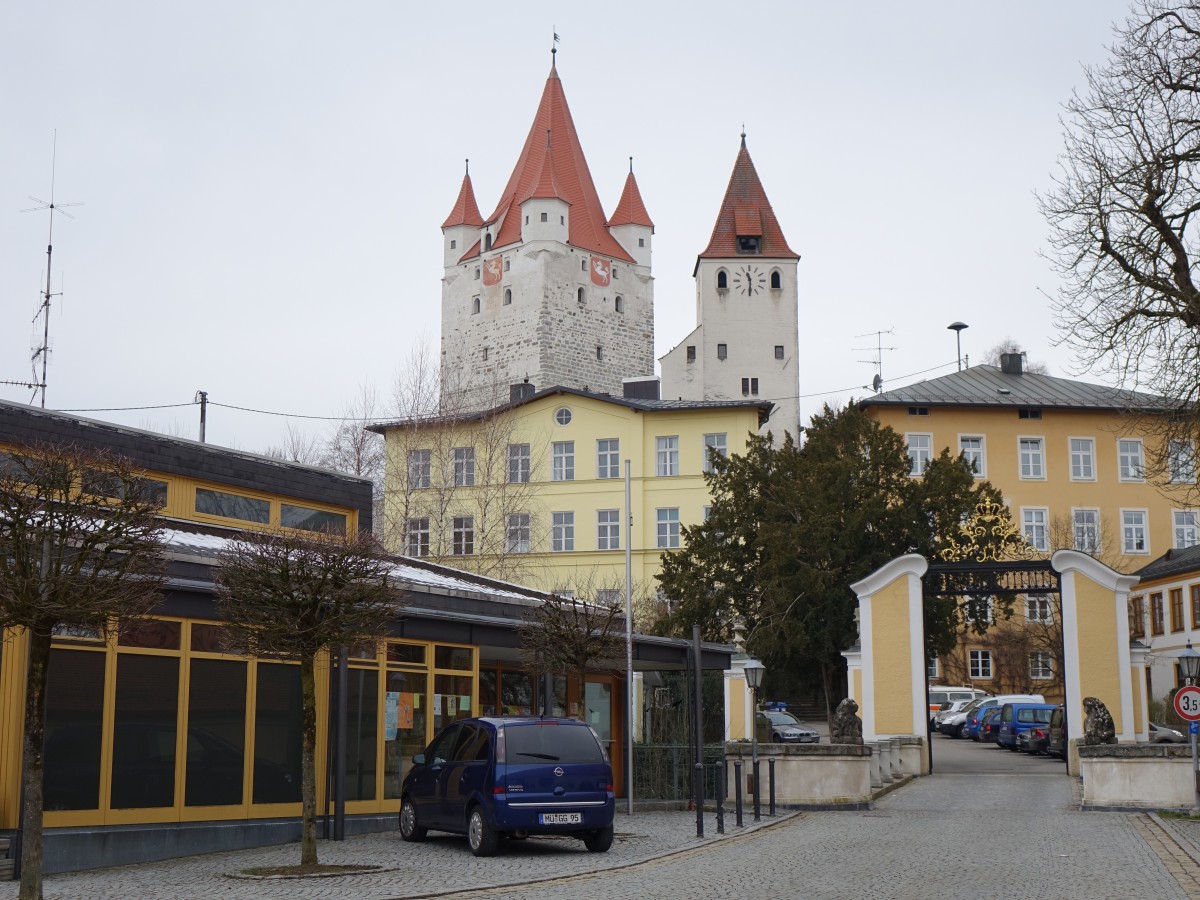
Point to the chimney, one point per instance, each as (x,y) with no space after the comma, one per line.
(645,388)
(519,393)
(1011,363)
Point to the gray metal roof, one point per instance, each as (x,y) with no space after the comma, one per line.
(988,386)
(1171,563)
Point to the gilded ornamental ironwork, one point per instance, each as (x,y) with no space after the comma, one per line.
(990,535)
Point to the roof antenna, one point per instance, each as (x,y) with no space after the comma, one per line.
(877,381)
(43,351)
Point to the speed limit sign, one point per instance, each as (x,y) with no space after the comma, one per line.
(1187,703)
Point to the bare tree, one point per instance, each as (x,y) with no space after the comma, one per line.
(1122,213)
(298,446)
(1008,345)
(569,634)
(294,596)
(80,547)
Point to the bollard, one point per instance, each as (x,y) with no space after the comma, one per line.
(771,783)
(698,773)
(720,797)
(737,791)
(757,794)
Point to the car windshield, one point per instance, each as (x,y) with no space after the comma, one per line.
(782,718)
(975,704)
(550,742)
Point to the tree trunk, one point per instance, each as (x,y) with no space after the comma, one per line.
(33,765)
(308,767)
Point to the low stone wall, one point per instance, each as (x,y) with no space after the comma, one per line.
(810,776)
(1137,776)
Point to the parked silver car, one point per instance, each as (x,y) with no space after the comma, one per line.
(1161,734)
(785,728)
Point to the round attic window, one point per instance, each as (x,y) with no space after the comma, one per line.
(562,416)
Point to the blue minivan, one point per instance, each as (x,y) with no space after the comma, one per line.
(497,777)
(1018,717)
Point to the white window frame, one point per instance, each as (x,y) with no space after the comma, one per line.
(971,605)
(420,469)
(1131,459)
(668,529)
(462,536)
(978,457)
(1181,461)
(1026,458)
(666,456)
(932,667)
(562,532)
(608,529)
(1037,534)
(1041,665)
(1135,524)
(1076,514)
(518,464)
(1085,456)
(464,466)
(980,664)
(1039,610)
(608,457)
(919,456)
(416,537)
(518,533)
(562,461)
(716,441)
(1185,528)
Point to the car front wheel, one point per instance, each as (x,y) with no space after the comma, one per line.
(599,841)
(409,829)
(480,835)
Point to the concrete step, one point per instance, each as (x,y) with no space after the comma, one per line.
(6,864)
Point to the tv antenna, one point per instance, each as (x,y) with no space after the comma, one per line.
(876,382)
(41,353)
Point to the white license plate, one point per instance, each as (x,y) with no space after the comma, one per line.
(561,818)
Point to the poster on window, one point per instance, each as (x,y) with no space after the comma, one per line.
(391,713)
(404,710)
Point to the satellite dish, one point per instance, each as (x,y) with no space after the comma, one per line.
(877,383)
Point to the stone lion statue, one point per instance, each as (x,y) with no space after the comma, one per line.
(1098,725)
(847,726)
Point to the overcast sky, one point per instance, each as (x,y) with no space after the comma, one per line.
(263,182)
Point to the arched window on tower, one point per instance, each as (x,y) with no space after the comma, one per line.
(776,280)
(487,242)
(722,280)
(474,306)
(619,304)
(508,297)
(582,297)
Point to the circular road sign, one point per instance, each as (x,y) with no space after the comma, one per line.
(1187,703)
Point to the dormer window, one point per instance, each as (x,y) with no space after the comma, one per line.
(545,217)
(487,242)
(453,244)
(749,245)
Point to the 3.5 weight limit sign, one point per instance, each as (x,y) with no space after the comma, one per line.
(1187,703)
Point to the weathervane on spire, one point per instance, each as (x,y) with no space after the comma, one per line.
(554,46)
(743,134)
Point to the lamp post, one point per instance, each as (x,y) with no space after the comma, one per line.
(1189,668)
(957,328)
(753,670)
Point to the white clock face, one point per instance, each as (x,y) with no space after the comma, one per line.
(749,280)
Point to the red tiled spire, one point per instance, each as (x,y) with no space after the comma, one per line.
(746,211)
(466,210)
(545,187)
(630,208)
(570,179)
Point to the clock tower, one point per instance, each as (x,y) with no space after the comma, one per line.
(746,341)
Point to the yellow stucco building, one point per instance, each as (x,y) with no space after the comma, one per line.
(535,488)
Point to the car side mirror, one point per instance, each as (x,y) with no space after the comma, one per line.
(419,759)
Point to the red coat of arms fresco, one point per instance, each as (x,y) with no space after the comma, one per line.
(601,271)
(492,270)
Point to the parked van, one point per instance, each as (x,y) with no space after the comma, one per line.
(940,693)
(974,717)
(1018,717)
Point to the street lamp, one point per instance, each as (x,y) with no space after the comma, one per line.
(1189,668)
(753,670)
(957,328)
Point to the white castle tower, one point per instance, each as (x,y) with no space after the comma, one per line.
(547,289)
(746,339)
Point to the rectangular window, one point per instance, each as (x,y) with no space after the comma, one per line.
(691,354)
(1086,524)
(1194,590)
(666,456)
(463,536)
(754,387)
(1041,665)
(145,723)
(1037,609)
(918,410)
(714,444)
(981,663)
(1129,459)
(233,506)
(518,463)
(1032,458)
(1083,459)
(518,533)
(779,351)
(1181,462)
(971,448)
(1156,613)
(722,351)
(608,597)
(562,531)
(278,725)
(920,452)
(1137,617)
(668,528)
(1133,530)
(305,519)
(416,537)
(608,458)
(362,737)
(420,468)
(74,716)
(1187,528)
(563,461)
(1029,413)
(931,667)
(464,466)
(1176,597)
(608,529)
(1037,533)
(978,611)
